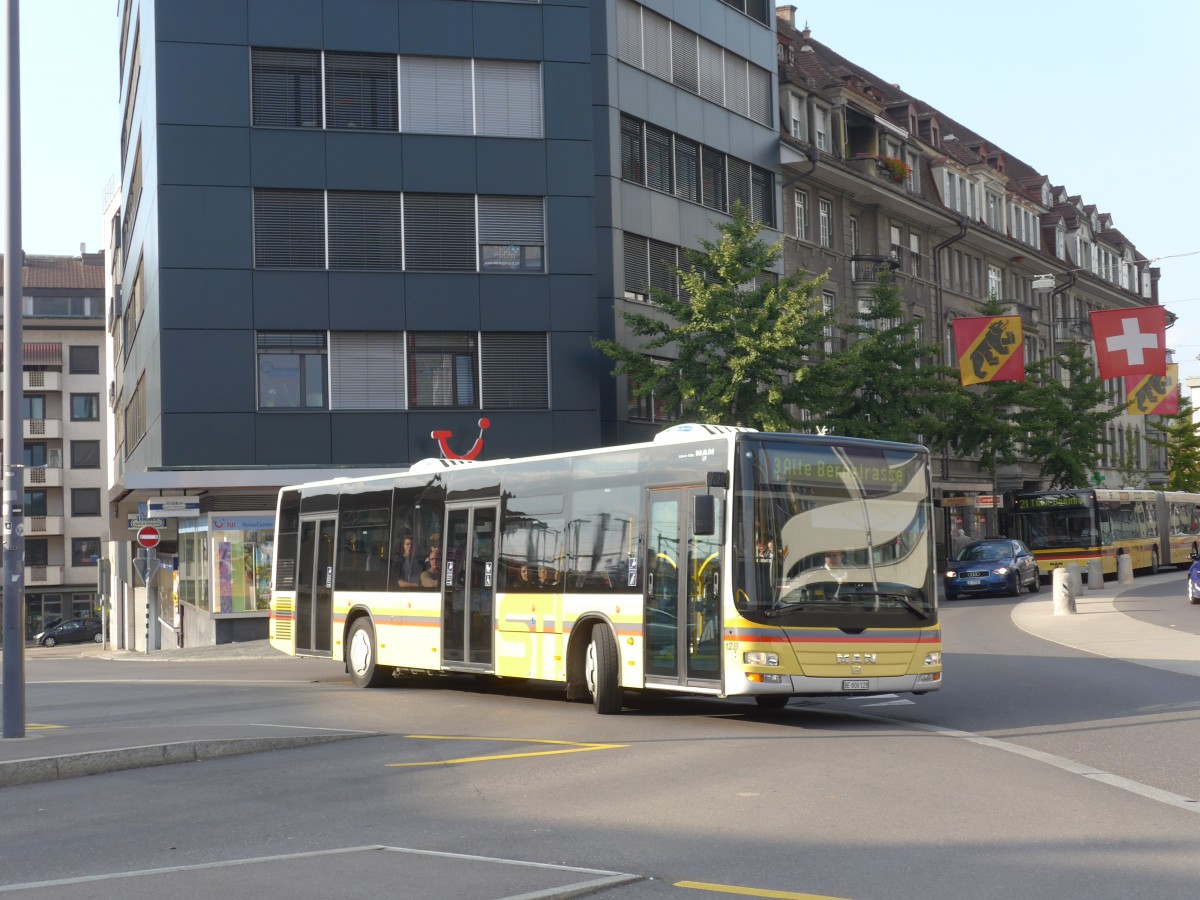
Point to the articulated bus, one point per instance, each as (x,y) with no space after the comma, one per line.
(1152,527)
(696,563)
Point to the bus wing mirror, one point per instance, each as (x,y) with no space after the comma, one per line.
(704,517)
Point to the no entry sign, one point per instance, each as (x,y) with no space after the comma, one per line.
(147,536)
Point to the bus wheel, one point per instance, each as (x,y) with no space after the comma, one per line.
(771,701)
(360,656)
(600,671)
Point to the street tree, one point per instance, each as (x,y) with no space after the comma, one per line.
(724,351)
(1066,417)
(1182,441)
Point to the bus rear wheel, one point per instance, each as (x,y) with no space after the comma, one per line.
(361,659)
(601,669)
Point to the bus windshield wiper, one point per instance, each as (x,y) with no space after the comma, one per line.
(888,595)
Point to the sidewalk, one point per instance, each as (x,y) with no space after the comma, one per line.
(1099,627)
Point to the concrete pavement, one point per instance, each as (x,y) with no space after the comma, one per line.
(47,755)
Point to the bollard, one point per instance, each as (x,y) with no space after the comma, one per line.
(1124,569)
(1076,575)
(1095,575)
(1064,600)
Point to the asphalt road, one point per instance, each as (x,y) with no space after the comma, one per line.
(1038,771)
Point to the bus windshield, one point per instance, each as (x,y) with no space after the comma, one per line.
(831,527)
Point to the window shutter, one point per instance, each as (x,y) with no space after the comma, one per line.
(629,32)
(760,96)
(515,371)
(739,184)
(762,195)
(361,91)
(508,99)
(289,229)
(737,84)
(365,230)
(435,95)
(631,150)
(366,370)
(637,267)
(656,40)
(512,220)
(712,72)
(684,69)
(712,170)
(658,159)
(286,88)
(687,169)
(663,259)
(439,232)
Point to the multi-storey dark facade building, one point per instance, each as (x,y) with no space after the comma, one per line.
(874,177)
(65,444)
(356,234)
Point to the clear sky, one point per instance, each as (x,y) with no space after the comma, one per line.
(1095,95)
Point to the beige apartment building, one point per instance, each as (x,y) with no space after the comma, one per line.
(65,411)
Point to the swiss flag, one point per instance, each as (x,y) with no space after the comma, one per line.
(1131,341)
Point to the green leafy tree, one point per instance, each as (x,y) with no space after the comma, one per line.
(1065,420)
(731,341)
(1183,448)
(887,383)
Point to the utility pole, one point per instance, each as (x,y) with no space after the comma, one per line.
(14,435)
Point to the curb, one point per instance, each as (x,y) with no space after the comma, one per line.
(58,768)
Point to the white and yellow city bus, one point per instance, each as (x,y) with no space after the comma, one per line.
(695,563)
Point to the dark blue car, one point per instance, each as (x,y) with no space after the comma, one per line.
(998,566)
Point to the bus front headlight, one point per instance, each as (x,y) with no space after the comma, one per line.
(934,658)
(759,658)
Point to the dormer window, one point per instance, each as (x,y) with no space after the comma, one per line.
(821,129)
(798,117)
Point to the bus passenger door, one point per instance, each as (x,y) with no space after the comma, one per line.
(468,588)
(314,587)
(682,603)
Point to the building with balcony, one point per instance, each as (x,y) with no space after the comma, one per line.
(348,226)
(874,177)
(65,444)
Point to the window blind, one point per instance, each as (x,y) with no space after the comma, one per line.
(361,91)
(629,32)
(286,88)
(515,370)
(289,229)
(760,96)
(637,266)
(439,232)
(656,44)
(712,72)
(365,230)
(684,67)
(436,95)
(737,84)
(512,220)
(366,370)
(508,99)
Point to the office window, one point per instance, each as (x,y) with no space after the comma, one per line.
(85,551)
(286,88)
(436,95)
(826,222)
(658,159)
(512,234)
(84,360)
(684,55)
(664,262)
(439,232)
(737,84)
(649,407)
(135,417)
(712,174)
(801,203)
(687,169)
(515,370)
(712,72)
(85,502)
(441,370)
(656,45)
(85,454)
(361,91)
(366,370)
(85,407)
(760,95)
(631,150)
(637,267)
(289,229)
(762,196)
(365,230)
(629,32)
(739,184)
(291,370)
(508,98)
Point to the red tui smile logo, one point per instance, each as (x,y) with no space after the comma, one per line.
(442,437)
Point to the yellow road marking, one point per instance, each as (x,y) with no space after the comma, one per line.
(751,892)
(567,747)
(33,726)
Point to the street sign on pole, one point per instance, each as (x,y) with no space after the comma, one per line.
(148,537)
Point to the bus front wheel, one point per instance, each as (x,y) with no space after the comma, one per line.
(601,670)
(365,672)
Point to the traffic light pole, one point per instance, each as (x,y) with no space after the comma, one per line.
(14,435)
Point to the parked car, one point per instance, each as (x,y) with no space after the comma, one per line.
(1194,579)
(997,566)
(72,631)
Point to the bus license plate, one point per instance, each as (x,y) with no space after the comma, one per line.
(862,685)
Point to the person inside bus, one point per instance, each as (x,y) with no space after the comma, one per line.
(525,580)
(432,575)
(835,568)
(408,566)
(547,578)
